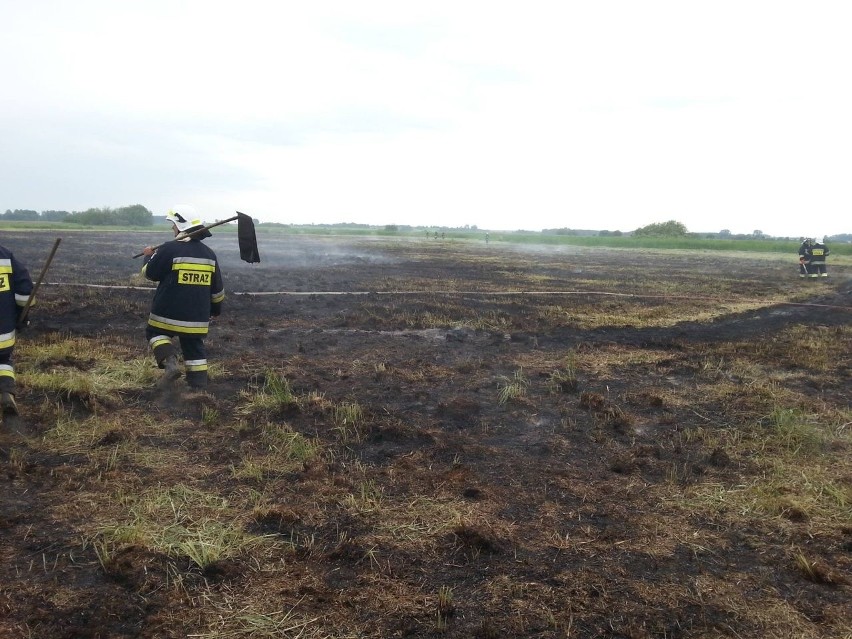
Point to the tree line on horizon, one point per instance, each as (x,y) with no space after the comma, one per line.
(673,228)
(134,215)
(139,215)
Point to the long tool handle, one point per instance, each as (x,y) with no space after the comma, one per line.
(23,318)
(182,236)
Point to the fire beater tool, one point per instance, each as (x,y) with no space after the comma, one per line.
(23,317)
(246,237)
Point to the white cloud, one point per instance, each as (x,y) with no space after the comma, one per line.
(610,114)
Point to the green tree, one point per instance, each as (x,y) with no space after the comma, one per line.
(135,215)
(53,216)
(21,214)
(92,217)
(662,229)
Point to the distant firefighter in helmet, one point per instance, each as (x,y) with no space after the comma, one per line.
(804,256)
(812,256)
(189,293)
(819,251)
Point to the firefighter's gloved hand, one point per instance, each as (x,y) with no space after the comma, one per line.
(19,325)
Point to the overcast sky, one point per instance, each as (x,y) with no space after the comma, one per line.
(507,115)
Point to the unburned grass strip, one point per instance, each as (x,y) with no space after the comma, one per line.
(180,521)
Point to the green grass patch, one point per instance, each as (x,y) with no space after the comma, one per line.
(179,521)
(802,461)
(82,368)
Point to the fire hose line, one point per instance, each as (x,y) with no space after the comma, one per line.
(492,293)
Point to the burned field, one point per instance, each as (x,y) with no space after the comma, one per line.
(434,439)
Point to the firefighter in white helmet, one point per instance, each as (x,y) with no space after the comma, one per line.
(819,251)
(189,293)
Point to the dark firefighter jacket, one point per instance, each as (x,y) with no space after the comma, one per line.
(15,289)
(819,252)
(190,287)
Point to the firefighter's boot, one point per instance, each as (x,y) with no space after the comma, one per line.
(197,380)
(7,401)
(172,370)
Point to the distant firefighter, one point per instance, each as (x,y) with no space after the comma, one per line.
(805,257)
(819,251)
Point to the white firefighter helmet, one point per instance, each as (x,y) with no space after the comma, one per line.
(184,217)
